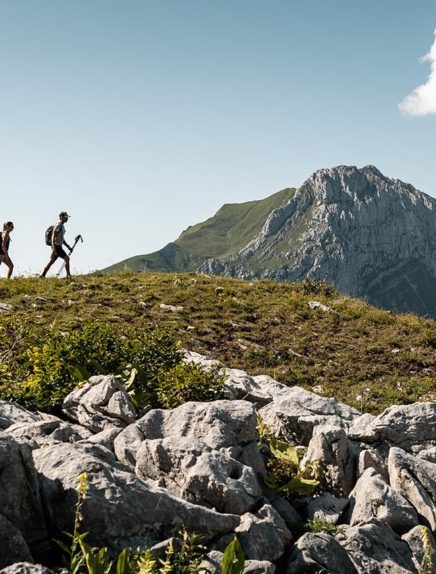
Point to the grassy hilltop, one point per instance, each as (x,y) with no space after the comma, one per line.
(361,355)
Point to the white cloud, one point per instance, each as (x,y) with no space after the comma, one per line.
(422,101)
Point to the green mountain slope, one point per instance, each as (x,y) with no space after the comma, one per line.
(228,231)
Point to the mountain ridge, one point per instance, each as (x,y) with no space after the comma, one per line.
(372,236)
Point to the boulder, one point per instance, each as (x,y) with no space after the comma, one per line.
(228,426)
(415,479)
(375,549)
(191,470)
(239,385)
(263,535)
(105,437)
(20,501)
(289,514)
(44,432)
(326,507)
(10,414)
(339,458)
(371,457)
(428,454)
(120,509)
(313,553)
(258,567)
(294,413)
(101,403)
(13,546)
(270,386)
(372,497)
(417,540)
(410,427)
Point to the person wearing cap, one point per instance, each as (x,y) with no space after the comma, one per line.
(57,242)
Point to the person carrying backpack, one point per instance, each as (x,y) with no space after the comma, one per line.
(4,247)
(56,242)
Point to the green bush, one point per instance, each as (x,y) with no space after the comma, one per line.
(187,382)
(41,370)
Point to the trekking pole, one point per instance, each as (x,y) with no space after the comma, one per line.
(76,241)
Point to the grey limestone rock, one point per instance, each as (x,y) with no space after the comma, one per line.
(239,385)
(44,432)
(415,540)
(295,412)
(105,437)
(371,236)
(20,501)
(26,567)
(326,507)
(290,515)
(428,454)
(372,497)
(263,535)
(372,457)
(410,427)
(376,549)
(101,403)
(13,547)
(120,509)
(192,470)
(415,479)
(314,553)
(259,567)
(10,414)
(229,426)
(339,458)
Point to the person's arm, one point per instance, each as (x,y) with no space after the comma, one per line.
(66,244)
(5,236)
(53,238)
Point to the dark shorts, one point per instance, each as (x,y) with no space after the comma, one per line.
(59,252)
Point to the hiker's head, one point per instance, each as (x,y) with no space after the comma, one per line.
(8,226)
(63,216)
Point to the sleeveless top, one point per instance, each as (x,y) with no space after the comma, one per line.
(1,243)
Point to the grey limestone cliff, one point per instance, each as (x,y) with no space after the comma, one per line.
(372,236)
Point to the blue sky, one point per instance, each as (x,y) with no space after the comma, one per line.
(141,118)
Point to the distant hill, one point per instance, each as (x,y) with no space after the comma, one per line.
(372,236)
(228,231)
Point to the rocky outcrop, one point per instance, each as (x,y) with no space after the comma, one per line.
(372,236)
(199,466)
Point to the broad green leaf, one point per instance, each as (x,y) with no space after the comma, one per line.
(300,485)
(233,558)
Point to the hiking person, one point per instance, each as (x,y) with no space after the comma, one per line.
(4,247)
(57,241)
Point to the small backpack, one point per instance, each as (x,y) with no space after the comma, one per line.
(49,234)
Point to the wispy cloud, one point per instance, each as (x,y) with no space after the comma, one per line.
(422,101)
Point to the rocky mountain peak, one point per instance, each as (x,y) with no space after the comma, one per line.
(372,236)
(351,184)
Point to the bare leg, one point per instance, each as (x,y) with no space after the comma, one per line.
(47,267)
(11,268)
(67,266)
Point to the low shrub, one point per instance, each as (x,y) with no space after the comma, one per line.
(43,369)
